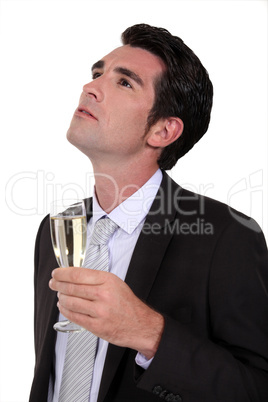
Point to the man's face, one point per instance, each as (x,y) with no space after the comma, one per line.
(112,114)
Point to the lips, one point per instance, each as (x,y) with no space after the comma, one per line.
(84,112)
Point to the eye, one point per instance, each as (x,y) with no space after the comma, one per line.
(125,83)
(96,75)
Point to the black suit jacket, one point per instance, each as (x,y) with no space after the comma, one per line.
(204,267)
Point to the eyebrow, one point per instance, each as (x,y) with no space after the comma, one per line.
(99,64)
(128,73)
(120,70)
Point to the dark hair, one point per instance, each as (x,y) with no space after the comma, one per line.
(184,90)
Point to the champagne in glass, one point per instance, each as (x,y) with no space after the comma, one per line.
(68,226)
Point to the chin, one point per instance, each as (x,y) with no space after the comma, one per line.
(72,137)
(68,135)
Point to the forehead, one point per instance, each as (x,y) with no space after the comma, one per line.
(136,59)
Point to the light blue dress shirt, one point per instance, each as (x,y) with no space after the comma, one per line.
(129,216)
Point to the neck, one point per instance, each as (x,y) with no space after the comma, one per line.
(113,186)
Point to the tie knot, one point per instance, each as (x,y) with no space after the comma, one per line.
(103,230)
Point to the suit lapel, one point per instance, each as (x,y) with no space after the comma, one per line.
(144,265)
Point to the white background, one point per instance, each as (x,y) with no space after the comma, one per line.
(47,49)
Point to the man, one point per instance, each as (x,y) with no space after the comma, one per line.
(182,314)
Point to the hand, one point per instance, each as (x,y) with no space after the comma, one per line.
(106,306)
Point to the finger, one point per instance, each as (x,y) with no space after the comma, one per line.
(88,292)
(77,305)
(78,318)
(79,275)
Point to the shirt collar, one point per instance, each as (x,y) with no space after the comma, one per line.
(131,212)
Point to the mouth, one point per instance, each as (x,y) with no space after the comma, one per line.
(83,112)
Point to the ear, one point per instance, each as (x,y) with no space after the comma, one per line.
(164,132)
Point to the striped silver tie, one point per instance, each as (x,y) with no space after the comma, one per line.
(81,347)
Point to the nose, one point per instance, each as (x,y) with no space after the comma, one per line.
(93,90)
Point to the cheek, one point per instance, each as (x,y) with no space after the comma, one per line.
(131,119)
(139,119)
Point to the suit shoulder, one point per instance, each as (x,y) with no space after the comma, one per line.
(43,225)
(215,211)
(43,234)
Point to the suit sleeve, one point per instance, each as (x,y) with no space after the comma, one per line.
(36,265)
(232,364)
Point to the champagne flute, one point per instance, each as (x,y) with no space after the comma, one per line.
(68,228)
